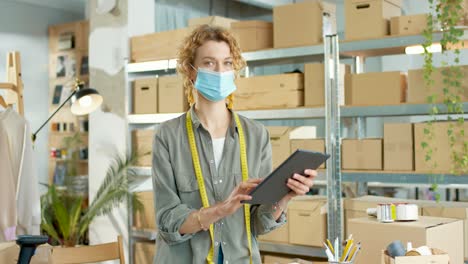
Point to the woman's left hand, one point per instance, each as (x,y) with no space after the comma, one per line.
(301,184)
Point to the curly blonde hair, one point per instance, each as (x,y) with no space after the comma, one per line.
(188,52)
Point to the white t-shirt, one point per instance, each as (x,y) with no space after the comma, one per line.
(218,146)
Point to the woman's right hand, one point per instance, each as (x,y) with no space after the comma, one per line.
(240,193)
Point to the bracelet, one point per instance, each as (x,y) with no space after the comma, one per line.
(199,220)
(277,206)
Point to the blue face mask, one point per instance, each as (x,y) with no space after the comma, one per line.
(215,86)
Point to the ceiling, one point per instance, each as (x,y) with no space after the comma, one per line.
(75,6)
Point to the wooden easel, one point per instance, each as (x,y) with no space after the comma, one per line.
(14,84)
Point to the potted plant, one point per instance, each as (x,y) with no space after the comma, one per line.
(66,220)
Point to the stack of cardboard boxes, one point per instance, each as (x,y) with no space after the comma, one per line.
(441,225)
(145,219)
(159,95)
(306,225)
(401,149)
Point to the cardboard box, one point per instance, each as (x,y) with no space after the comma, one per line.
(308,221)
(171,95)
(456,210)
(271,259)
(279,139)
(442,233)
(369,19)
(418,91)
(314,84)
(398,147)
(279,235)
(212,21)
(145,96)
(144,252)
(142,142)
(361,154)
(301,24)
(269,92)
(440,143)
(438,257)
(376,88)
(157,46)
(408,25)
(253,35)
(356,207)
(145,219)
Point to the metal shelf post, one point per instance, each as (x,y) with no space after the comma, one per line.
(333,138)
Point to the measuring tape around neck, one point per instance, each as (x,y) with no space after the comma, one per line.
(201,182)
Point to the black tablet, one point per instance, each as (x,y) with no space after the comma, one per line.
(273,188)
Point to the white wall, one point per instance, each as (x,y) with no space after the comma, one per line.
(23,27)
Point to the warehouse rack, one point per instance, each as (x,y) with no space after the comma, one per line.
(356,50)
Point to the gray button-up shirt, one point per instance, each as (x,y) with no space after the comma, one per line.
(177,192)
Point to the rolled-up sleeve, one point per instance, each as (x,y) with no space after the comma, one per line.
(262,215)
(170,212)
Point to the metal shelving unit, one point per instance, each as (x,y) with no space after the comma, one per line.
(357,50)
(309,113)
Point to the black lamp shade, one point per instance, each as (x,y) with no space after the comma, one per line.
(85,101)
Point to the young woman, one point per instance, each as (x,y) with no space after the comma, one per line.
(207,161)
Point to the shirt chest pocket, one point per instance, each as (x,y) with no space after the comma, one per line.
(189,191)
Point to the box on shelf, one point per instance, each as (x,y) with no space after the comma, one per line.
(376,88)
(279,139)
(301,24)
(314,84)
(253,35)
(142,142)
(171,95)
(308,221)
(212,21)
(408,25)
(437,257)
(145,96)
(398,147)
(418,91)
(305,138)
(279,235)
(270,92)
(456,210)
(144,252)
(145,219)
(442,233)
(73,35)
(157,46)
(362,154)
(440,145)
(369,19)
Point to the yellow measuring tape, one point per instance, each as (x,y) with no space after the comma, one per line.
(201,182)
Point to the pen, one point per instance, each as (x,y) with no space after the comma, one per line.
(330,247)
(346,250)
(329,254)
(337,249)
(351,254)
(357,251)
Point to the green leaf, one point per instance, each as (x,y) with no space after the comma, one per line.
(424,145)
(61,214)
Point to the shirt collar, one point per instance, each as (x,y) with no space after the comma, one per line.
(197,123)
